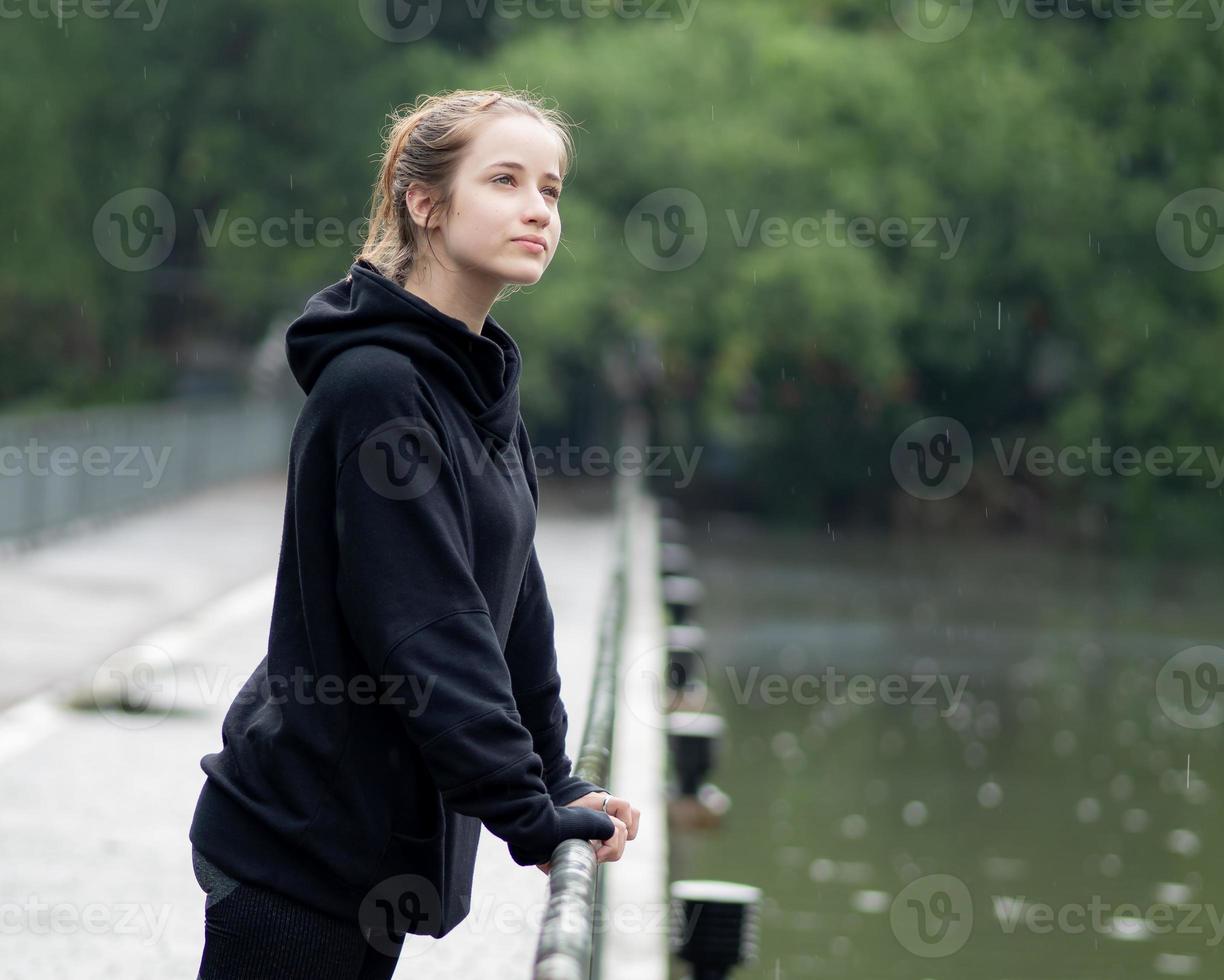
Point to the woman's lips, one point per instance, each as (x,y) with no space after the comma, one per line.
(532,246)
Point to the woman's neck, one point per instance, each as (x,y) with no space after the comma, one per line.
(457,297)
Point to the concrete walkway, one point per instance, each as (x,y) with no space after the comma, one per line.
(96,874)
(634,940)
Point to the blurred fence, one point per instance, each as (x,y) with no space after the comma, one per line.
(59,470)
(567,948)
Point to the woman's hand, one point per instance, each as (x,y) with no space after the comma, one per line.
(619,808)
(624,818)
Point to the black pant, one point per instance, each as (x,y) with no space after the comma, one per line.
(251,933)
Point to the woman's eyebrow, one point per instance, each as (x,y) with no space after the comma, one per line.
(512,165)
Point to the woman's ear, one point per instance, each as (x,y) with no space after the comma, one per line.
(418,202)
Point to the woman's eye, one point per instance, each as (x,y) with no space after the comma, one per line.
(556,193)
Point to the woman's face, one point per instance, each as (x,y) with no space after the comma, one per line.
(507,185)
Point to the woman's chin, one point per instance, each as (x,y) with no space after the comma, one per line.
(523,273)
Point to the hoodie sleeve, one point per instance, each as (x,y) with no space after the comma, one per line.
(412,604)
(532,658)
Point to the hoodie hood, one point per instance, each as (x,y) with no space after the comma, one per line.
(480,370)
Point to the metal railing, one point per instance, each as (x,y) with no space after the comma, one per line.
(566,948)
(59,470)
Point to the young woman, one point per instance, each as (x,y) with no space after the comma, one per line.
(410,689)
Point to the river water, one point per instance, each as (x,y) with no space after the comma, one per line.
(963,760)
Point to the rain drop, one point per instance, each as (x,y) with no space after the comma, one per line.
(1135,820)
(1064,743)
(1182,841)
(1088,810)
(854,826)
(990,795)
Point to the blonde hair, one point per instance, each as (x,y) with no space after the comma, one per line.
(423,143)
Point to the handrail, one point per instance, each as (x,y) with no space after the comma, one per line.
(566,939)
(83,466)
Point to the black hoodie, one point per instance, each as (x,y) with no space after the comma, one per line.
(410,689)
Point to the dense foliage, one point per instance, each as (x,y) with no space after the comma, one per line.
(1019,264)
